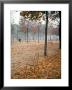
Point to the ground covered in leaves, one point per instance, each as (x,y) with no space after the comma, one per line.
(28,60)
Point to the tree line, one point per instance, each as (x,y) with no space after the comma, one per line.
(37,15)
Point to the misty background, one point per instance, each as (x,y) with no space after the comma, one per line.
(36,29)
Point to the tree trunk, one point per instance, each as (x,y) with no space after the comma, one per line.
(33,36)
(60,30)
(17,34)
(38,34)
(27,30)
(27,34)
(45,48)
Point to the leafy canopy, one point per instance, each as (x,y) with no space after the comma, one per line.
(32,15)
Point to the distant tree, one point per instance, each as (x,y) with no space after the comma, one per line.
(33,31)
(24,28)
(27,30)
(37,15)
(56,15)
(39,30)
(59,16)
(60,29)
(12,32)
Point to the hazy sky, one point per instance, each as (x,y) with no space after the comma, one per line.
(15,17)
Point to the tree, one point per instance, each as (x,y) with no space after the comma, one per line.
(12,32)
(33,31)
(39,30)
(45,48)
(37,15)
(55,15)
(27,30)
(24,27)
(60,29)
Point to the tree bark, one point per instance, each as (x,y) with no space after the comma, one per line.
(27,34)
(60,30)
(17,34)
(33,35)
(27,30)
(38,34)
(45,47)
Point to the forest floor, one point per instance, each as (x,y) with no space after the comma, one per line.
(28,60)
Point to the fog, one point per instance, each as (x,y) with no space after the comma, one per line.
(34,30)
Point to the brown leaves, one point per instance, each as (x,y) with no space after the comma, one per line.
(32,15)
(28,62)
